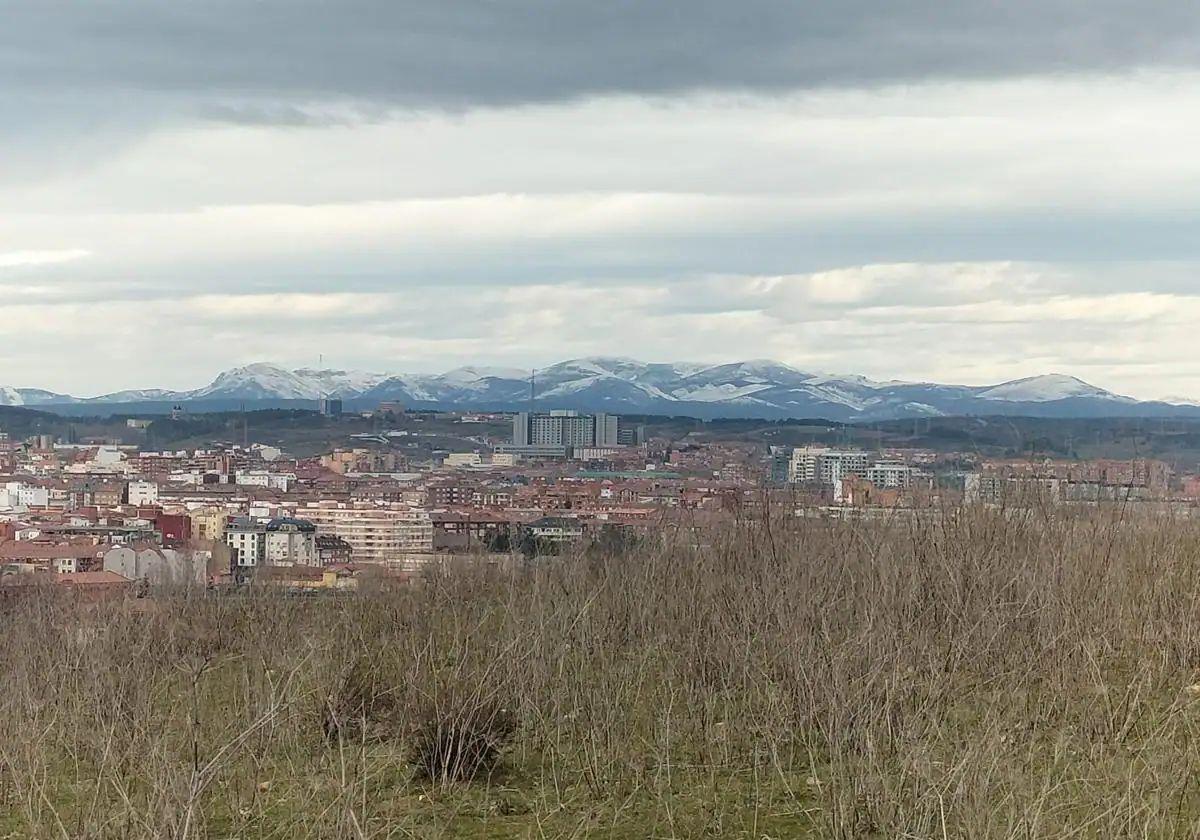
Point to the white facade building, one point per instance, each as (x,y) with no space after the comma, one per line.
(15,494)
(248,540)
(890,474)
(142,493)
(291,542)
(819,465)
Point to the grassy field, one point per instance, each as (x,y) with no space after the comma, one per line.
(979,675)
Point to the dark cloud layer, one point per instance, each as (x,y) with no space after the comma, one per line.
(451,53)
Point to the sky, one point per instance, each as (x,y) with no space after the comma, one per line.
(966,193)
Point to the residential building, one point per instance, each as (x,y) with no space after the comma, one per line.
(890,474)
(377,533)
(818,465)
(352,461)
(142,493)
(330,406)
(556,529)
(247,538)
(208,523)
(290,542)
(156,565)
(565,428)
(332,549)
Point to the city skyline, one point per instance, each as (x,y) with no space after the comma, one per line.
(906,192)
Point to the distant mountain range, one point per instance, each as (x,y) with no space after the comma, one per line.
(761,389)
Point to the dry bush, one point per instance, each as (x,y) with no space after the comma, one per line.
(968,673)
(360,705)
(458,735)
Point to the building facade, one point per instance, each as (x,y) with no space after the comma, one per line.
(290,542)
(376,533)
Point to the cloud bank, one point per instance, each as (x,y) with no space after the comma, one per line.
(963,193)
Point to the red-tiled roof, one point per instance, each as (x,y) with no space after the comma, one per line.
(91,579)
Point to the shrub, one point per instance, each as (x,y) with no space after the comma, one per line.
(459,737)
(359,705)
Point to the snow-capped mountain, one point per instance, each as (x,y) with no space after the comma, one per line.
(267,381)
(1047,388)
(757,388)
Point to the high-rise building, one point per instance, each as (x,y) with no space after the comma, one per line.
(330,406)
(570,428)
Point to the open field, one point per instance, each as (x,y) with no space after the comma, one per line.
(981,675)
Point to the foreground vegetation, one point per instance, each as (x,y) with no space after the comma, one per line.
(981,674)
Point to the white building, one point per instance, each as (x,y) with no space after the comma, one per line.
(820,465)
(264,478)
(142,493)
(15,494)
(894,474)
(291,542)
(248,540)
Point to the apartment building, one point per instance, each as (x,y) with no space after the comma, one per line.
(247,539)
(354,461)
(377,533)
(819,465)
(291,542)
(565,428)
(890,474)
(142,493)
(208,522)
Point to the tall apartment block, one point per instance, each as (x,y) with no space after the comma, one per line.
(569,428)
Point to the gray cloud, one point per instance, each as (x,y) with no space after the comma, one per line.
(414,53)
(965,191)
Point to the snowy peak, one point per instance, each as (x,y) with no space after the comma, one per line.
(10,396)
(1047,388)
(263,380)
(474,373)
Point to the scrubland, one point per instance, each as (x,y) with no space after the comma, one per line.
(972,674)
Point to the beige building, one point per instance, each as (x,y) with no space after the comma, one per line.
(377,533)
(208,523)
(352,461)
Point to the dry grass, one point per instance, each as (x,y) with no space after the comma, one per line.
(979,674)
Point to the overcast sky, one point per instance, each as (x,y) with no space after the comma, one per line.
(961,192)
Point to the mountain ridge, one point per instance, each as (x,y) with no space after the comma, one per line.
(757,387)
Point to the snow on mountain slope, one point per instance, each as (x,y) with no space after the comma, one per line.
(1176,400)
(268,381)
(472,374)
(714,392)
(757,387)
(345,383)
(143,395)
(258,380)
(1046,388)
(29,397)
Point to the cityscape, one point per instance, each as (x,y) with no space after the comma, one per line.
(632,420)
(112,517)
